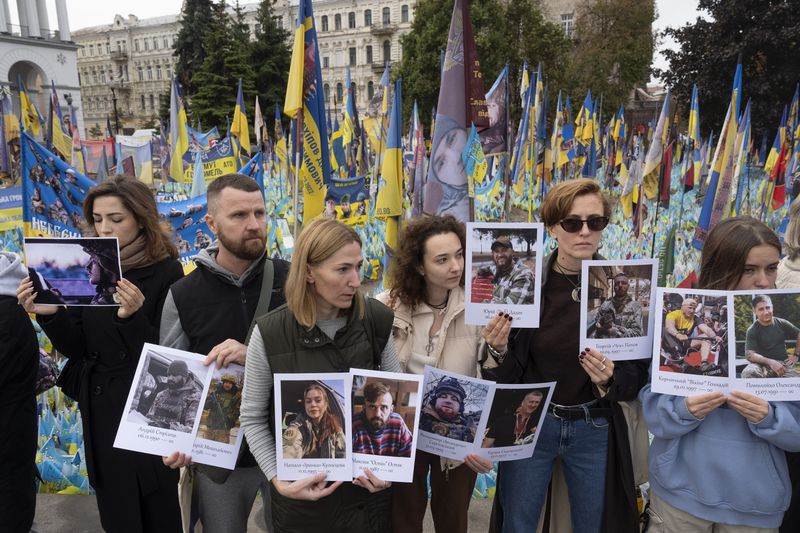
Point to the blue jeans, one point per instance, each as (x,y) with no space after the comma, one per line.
(522,485)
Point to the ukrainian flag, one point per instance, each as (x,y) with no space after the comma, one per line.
(31,119)
(239,127)
(304,92)
(178,138)
(390,190)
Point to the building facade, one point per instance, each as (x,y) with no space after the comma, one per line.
(40,56)
(131,60)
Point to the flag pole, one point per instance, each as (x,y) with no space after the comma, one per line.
(299,145)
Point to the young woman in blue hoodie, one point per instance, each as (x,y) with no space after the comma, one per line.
(717,462)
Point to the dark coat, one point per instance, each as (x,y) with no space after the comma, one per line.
(620,513)
(127,483)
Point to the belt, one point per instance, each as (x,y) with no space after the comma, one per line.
(578,412)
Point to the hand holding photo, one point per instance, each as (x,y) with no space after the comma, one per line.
(74,271)
(503,272)
(616,300)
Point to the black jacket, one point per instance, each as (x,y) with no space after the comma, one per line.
(109,349)
(19,353)
(620,513)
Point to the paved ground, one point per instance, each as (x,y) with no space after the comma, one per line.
(78,514)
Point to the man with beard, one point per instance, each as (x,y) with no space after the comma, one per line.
(444,412)
(223,409)
(176,406)
(378,430)
(627,313)
(211,311)
(512,281)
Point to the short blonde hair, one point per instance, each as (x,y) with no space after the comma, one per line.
(318,241)
(558,202)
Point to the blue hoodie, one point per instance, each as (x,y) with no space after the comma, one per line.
(722,468)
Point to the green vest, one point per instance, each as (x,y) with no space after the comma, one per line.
(291,348)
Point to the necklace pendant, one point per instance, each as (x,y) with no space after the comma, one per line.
(576,294)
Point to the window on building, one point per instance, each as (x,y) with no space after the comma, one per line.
(136,45)
(387,52)
(168,73)
(568,24)
(325,62)
(337,22)
(351,20)
(105,103)
(367,17)
(94,76)
(155,43)
(324,22)
(140,74)
(327,89)
(370,90)
(108,48)
(352,56)
(404,13)
(142,102)
(91,50)
(369,54)
(102,76)
(339,92)
(166,42)
(124,73)
(152,101)
(146,45)
(387,16)
(83,52)
(149,73)
(158,72)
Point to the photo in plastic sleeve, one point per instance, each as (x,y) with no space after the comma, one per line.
(75,271)
(313,429)
(386,407)
(514,419)
(690,344)
(616,302)
(164,406)
(220,434)
(452,409)
(766,338)
(503,272)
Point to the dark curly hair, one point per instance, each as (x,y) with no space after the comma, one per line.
(408,284)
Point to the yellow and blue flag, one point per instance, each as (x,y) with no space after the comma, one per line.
(305,100)
(178,138)
(31,118)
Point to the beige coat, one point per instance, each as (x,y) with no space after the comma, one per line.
(788,273)
(457,348)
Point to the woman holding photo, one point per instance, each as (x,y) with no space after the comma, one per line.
(135,491)
(325,326)
(584,426)
(427,295)
(746,488)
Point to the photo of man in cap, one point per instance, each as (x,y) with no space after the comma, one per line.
(512,281)
(176,406)
(443,414)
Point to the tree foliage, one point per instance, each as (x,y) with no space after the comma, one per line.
(613,49)
(611,55)
(764,32)
(195,23)
(226,62)
(271,56)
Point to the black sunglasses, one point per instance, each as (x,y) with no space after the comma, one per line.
(574,224)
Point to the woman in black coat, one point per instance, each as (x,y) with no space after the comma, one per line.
(135,492)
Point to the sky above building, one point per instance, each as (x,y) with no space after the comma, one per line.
(83,13)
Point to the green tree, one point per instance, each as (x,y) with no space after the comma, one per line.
(271,56)
(764,32)
(613,49)
(195,22)
(226,62)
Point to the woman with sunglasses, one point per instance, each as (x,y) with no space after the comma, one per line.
(717,462)
(584,427)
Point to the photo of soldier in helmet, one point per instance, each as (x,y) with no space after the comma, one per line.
(221,410)
(445,413)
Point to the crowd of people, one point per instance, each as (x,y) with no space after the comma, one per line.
(310,316)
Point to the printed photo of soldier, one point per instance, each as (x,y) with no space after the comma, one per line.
(619,301)
(767,335)
(220,417)
(452,407)
(168,392)
(503,265)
